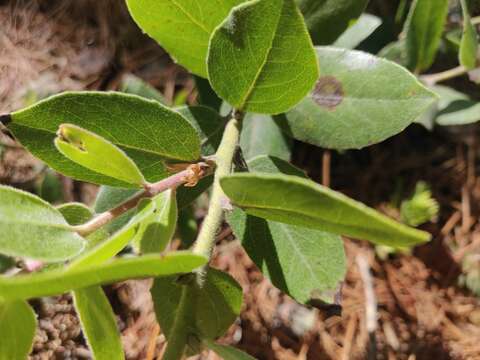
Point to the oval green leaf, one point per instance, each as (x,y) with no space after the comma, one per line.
(358,32)
(423,29)
(17,329)
(297,201)
(30,227)
(98,323)
(304,263)
(155,232)
(358,100)
(183,28)
(262,136)
(147,131)
(214,306)
(60,281)
(469,43)
(327,19)
(97,154)
(261,57)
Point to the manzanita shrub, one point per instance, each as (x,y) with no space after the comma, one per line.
(268,62)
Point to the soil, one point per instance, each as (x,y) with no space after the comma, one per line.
(424,310)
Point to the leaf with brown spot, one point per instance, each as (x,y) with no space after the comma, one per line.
(359,100)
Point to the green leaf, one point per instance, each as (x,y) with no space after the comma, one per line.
(424,28)
(109,197)
(228,352)
(75,213)
(358,100)
(132,84)
(17,329)
(183,28)
(396,52)
(60,281)
(359,31)
(148,132)
(261,58)
(296,201)
(209,125)
(215,305)
(155,232)
(206,95)
(262,136)
(30,227)
(98,323)
(328,19)
(97,154)
(50,188)
(304,263)
(469,43)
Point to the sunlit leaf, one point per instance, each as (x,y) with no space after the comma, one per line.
(469,44)
(60,281)
(147,131)
(359,31)
(97,154)
(424,28)
(297,201)
(32,228)
(17,329)
(359,100)
(261,58)
(98,323)
(183,28)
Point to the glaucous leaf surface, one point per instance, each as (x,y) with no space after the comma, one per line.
(98,323)
(214,307)
(97,154)
(262,136)
(328,19)
(155,232)
(469,43)
(228,352)
(359,100)
(75,213)
(17,329)
(107,198)
(297,201)
(30,227)
(302,262)
(59,281)
(209,125)
(423,28)
(132,84)
(147,131)
(451,108)
(261,58)
(183,28)
(358,31)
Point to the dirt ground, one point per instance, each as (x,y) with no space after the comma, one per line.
(424,309)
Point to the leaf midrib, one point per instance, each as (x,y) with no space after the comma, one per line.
(265,60)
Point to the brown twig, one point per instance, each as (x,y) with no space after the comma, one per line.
(189,176)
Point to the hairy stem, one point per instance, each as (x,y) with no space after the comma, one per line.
(224,159)
(432,79)
(150,191)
